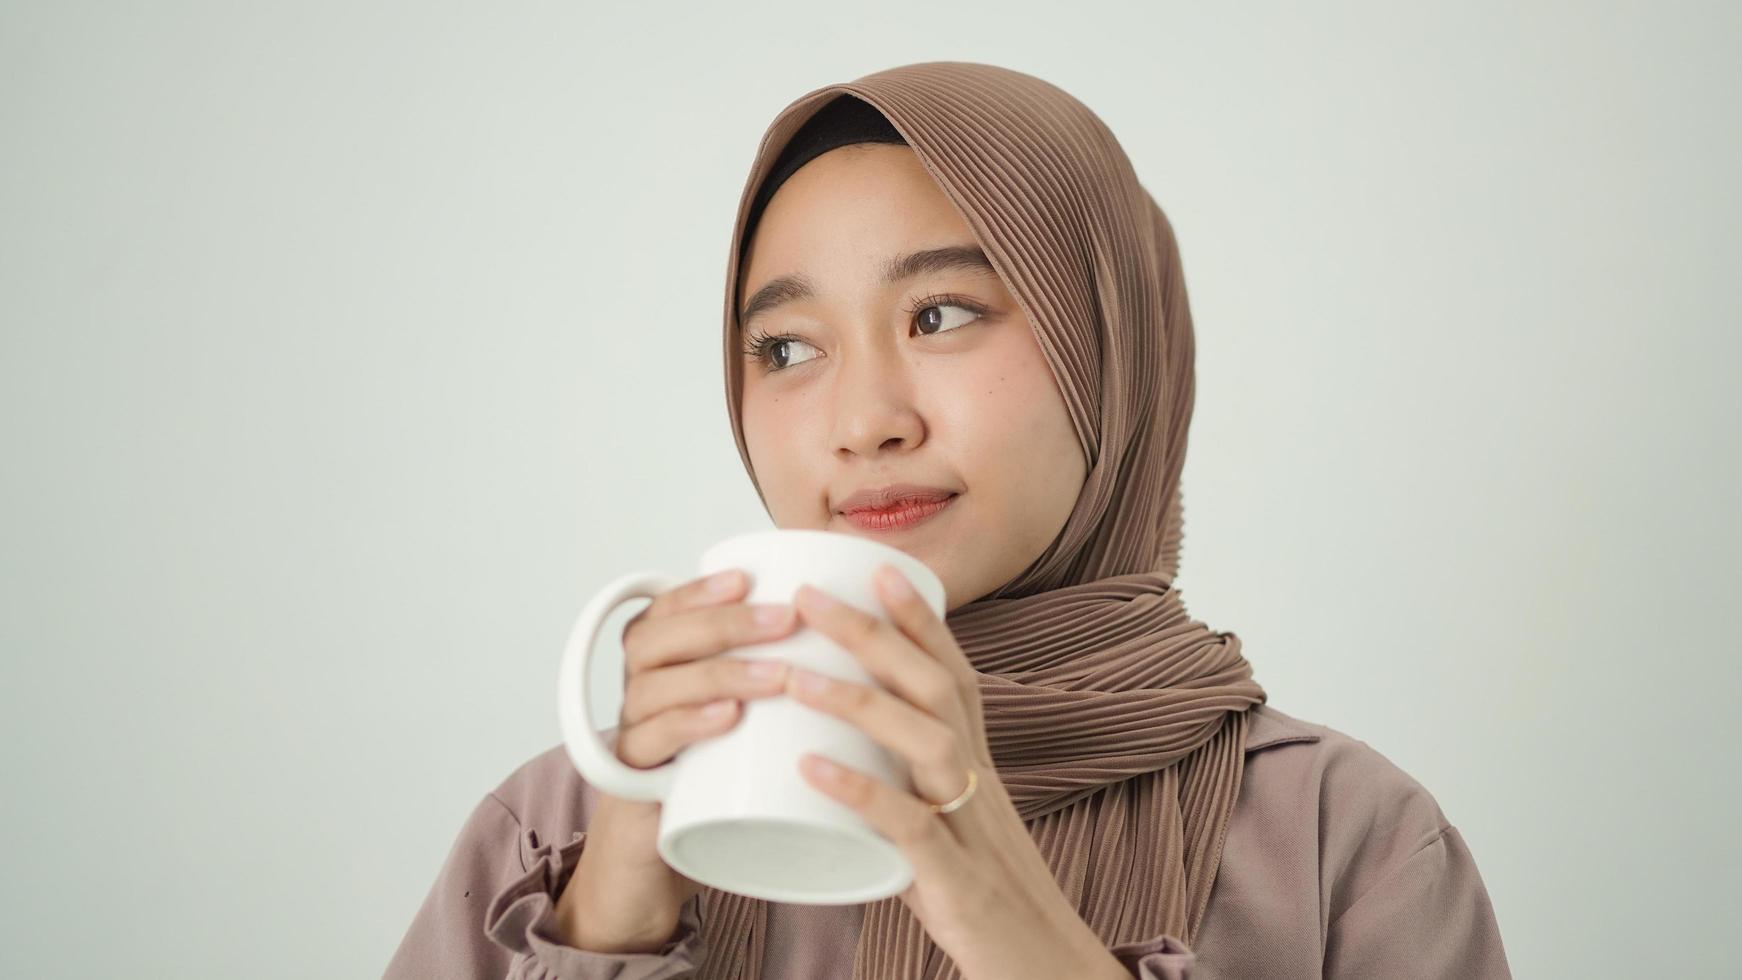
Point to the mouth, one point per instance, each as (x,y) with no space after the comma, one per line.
(901,516)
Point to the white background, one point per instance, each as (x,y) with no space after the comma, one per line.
(349,347)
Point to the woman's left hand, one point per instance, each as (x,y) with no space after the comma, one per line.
(981,888)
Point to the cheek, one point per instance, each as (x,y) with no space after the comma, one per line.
(769,419)
(755,416)
(775,427)
(993,419)
(1013,430)
(1008,397)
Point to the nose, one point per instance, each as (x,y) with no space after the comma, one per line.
(875,411)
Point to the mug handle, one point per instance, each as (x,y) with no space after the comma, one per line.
(597,762)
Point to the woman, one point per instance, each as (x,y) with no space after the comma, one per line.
(947,276)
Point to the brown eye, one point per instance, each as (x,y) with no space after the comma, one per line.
(786,343)
(760,348)
(933,317)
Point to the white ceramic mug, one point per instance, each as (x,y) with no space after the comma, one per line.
(735,811)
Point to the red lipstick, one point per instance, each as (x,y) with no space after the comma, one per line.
(899,517)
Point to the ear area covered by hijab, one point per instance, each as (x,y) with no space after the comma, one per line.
(1093,630)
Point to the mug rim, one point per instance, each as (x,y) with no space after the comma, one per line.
(832,539)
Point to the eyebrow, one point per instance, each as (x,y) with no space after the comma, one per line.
(950,258)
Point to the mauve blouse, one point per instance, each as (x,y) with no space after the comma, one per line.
(1336,864)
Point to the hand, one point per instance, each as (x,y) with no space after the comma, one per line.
(623,897)
(981,888)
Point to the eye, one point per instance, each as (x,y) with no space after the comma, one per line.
(760,348)
(926,313)
(931,314)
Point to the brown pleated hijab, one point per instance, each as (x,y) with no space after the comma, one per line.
(1117,722)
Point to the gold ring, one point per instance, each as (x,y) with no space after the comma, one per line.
(956,804)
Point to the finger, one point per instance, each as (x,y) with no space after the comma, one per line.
(923,836)
(886,653)
(913,616)
(930,746)
(708,590)
(652,691)
(704,591)
(653,742)
(697,633)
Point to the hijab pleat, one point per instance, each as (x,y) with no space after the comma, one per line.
(1117,722)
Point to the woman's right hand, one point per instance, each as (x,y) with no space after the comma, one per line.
(623,897)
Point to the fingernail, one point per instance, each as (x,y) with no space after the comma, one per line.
(767,670)
(894,583)
(823,768)
(771,616)
(718,709)
(816,598)
(723,582)
(810,682)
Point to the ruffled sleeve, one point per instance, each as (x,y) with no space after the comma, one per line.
(522,918)
(1161,958)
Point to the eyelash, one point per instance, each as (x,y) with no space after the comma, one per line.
(758,345)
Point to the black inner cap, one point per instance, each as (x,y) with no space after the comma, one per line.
(846,119)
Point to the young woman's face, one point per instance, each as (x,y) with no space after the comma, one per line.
(932,378)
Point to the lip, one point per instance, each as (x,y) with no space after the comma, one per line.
(887,497)
(904,515)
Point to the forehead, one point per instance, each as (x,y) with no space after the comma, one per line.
(851,206)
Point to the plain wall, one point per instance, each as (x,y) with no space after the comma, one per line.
(347,348)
